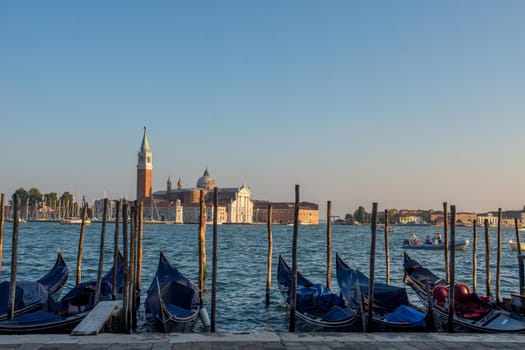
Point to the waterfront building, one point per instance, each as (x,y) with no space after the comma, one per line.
(411,217)
(466,219)
(111,210)
(235,204)
(507,218)
(181,205)
(283,212)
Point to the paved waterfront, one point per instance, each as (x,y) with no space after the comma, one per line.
(266,341)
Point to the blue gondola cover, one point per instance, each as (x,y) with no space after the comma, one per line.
(404,313)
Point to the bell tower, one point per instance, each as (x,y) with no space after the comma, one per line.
(144,169)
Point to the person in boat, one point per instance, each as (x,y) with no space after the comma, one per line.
(428,240)
(437,238)
(415,239)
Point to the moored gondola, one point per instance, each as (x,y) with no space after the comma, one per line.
(63,315)
(172,303)
(391,310)
(32,295)
(317,308)
(472,313)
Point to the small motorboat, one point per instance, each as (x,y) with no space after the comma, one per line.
(74,221)
(461,244)
(433,244)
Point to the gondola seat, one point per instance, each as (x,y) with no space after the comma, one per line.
(337,314)
(316,299)
(306,299)
(465,303)
(440,295)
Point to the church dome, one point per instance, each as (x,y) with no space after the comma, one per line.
(206,181)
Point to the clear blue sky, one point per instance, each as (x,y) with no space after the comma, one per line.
(407,103)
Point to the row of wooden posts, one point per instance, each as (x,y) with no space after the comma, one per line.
(449,255)
(132,256)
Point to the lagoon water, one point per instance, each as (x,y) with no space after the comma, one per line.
(242,252)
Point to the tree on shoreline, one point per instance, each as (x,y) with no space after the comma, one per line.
(361,215)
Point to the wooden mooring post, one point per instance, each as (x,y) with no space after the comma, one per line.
(140,239)
(521,268)
(214,262)
(202,247)
(293,289)
(270,256)
(2,218)
(387,249)
(81,243)
(125,291)
(446,245)
(329,244)
(451,289)
(517,232)
(132,267)
(370,310)
(115,252)
(474,255)
(14,256)
(487,258)
(498,258)
(101,254)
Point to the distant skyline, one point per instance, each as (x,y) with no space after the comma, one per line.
(407,104)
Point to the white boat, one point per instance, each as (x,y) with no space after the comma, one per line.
(461,244)
(74,221)
(514,245)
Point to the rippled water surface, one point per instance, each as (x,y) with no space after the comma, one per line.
(242,254)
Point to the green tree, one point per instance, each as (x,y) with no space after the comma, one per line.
(361,215)
(349,218)
(51,199)
(34,196)
(66,201)
(66,197)
(22,196)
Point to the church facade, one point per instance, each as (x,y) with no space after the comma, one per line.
(182,205)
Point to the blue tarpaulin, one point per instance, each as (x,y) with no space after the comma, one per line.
(404,313)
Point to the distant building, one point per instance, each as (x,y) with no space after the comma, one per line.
(235,204)
(181,205)
(466,219)
(507,218)
(111,209)
(437,218)
(283,213)
(411,219)
(407,217)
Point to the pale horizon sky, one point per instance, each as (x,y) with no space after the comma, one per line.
(404,103)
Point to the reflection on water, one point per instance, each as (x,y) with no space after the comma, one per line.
(242,251)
